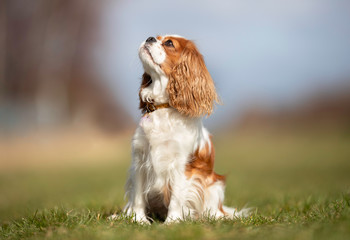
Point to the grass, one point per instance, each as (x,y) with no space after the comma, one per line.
(298,184)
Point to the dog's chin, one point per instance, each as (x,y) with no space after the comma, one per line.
(148,63)
(145,55)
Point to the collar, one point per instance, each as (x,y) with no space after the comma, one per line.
(150,107)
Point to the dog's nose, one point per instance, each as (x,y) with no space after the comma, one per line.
(150,40)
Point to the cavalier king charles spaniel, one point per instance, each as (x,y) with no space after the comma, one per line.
(172,173)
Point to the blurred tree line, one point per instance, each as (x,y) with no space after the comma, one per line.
(48,74)
(325,109)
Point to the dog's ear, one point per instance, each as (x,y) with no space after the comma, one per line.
(191,89)
(146,81)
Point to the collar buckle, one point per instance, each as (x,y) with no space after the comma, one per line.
(150,107)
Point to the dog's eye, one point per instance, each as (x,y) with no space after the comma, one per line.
(169,43)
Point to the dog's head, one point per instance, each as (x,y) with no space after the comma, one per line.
(190,87)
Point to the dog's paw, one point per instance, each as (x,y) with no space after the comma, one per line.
(147,95)
(141,219)
(173,218)
(137,216)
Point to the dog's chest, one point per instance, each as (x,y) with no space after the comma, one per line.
(167,125)
(157,123)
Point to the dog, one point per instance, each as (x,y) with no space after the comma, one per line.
(171,176)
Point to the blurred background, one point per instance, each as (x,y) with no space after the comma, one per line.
(70,73)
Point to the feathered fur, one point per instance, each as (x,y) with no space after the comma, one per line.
(191,89)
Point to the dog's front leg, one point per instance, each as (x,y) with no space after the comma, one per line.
(177,209)
(134,188)
(136,205)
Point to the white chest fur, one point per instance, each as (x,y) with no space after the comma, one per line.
(169,138)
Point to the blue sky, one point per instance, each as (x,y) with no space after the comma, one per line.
(268,52)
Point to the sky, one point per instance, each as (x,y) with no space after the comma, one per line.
(263,52)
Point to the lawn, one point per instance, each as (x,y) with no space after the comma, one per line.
(298,185)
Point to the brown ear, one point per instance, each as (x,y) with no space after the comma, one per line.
(191,89)
(146,81)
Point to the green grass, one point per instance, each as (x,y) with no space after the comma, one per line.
(298,185)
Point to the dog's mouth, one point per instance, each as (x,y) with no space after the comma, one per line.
(146,49)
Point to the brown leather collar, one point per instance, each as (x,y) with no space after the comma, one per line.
(150,107)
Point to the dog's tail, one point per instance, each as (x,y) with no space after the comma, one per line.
(234,213)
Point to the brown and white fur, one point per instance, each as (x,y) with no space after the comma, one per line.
(172,175)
